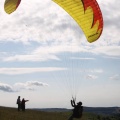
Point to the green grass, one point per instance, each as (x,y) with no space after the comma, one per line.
(13,114)
(7,113)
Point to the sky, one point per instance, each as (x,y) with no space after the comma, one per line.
(46,59)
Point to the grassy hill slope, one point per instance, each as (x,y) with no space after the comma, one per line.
(7,113)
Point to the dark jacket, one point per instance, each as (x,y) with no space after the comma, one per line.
(78,109)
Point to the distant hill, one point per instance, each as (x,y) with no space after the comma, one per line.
(52,109)
(96,110)
(102,110)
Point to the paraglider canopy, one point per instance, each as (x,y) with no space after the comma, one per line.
(11,5)
(87,14)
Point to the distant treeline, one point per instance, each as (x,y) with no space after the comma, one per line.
(96,110)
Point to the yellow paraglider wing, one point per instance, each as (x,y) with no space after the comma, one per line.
(11,5)
(87,14)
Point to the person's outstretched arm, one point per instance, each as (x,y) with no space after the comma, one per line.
(73,103)
(26,100)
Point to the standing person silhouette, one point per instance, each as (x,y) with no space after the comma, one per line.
(77,111)
(23,104)
(19,103)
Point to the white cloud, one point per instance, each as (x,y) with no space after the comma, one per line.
(115,77)
(17,71)
(93,77)
(6,87)
(44,53)
(36,83)
(40,24)
(97,71)
(108,50)
(112,57)
(31,57)
(29,85)
(94,71)
(17,87)
(84,58)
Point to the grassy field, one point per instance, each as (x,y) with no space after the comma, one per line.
(12,114)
